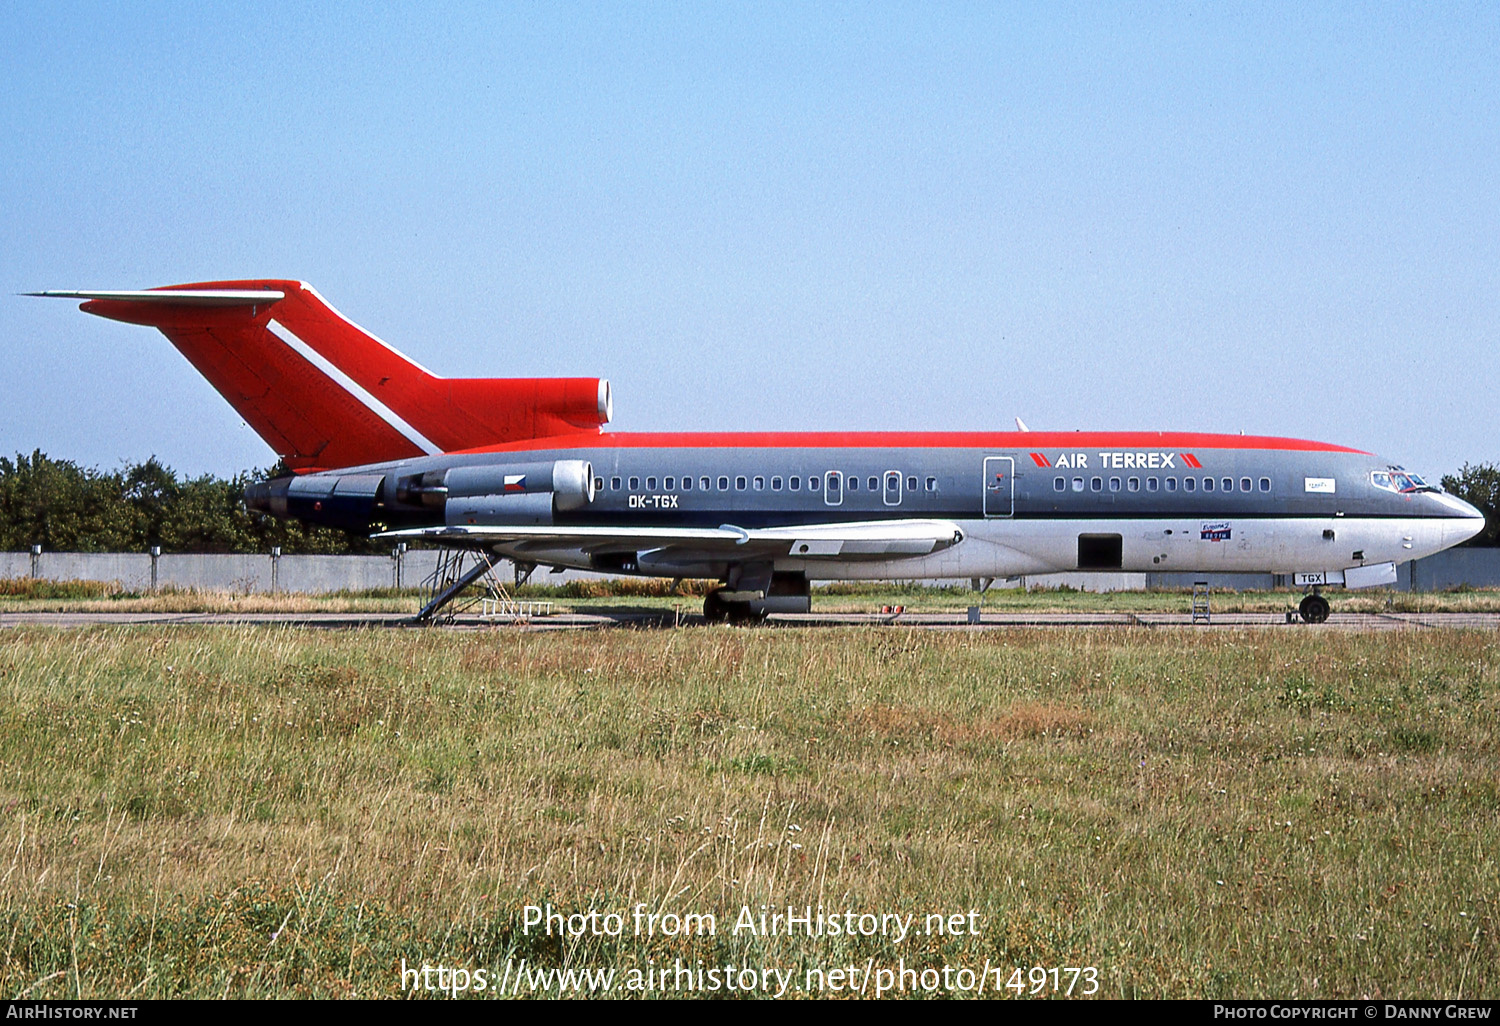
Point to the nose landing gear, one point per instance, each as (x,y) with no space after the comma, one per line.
(1313,608)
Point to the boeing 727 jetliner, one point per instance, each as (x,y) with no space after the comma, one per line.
(522,468)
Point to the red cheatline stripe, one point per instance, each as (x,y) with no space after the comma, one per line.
(1191,461)
(1069,440)
(1040,460)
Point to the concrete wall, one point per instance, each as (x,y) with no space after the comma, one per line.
(1219,582)
(1083,581)
(1456,568)
(1476,568)
(133,570)
(234,573)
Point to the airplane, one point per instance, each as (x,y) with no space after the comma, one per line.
(523,468)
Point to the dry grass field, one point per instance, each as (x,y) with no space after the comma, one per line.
(27,595)
(201,812)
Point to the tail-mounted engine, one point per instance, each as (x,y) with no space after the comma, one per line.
(500,494)
(493,494)
(336,500)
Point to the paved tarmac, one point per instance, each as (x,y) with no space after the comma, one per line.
(666,619)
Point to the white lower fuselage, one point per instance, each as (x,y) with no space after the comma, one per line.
(1007,548)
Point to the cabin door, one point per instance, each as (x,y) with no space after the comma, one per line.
(999,486)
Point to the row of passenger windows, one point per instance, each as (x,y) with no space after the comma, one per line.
(1133,484)
(758,483)
(873,484)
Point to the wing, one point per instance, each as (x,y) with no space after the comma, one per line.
(871,540)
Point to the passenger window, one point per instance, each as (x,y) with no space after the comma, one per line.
(1134,484)
(1265,484)
(1244,484)
(739,484)
(1078,484)
(635,484)
(1150,484)
(775,484)
(650,484)
(813,484)
(892,487)
(614,484)
(1208,484)
(932,484)
(687,484)
(874,484)
(1114,484)
(1096,484)
(1171,483)
(598,484)
(1228,484)
(723,483)
(1059,484)
(911,484)
(704,484)
(854,484)
(760,484)
(1189,484)
(794,483)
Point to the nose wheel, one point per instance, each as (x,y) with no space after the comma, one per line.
(1314,609)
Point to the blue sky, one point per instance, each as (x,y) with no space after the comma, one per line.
(1281,219)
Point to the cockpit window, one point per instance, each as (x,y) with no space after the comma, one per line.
(1395,479)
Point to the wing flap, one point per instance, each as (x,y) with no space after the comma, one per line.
(876,539)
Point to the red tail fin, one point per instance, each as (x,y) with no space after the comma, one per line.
(324,393)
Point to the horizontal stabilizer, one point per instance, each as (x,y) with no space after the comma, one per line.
(171,297)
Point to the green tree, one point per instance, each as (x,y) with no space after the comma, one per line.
(63,507)
(152,490)
(208,515)
(1479,485)
(66,508)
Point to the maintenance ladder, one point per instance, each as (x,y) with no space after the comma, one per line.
(456,570)
(1200,602)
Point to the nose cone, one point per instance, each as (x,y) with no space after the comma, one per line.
(1466,521)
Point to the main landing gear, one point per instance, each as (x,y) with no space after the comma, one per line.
(1314,608)
(718,609)
(751,600)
